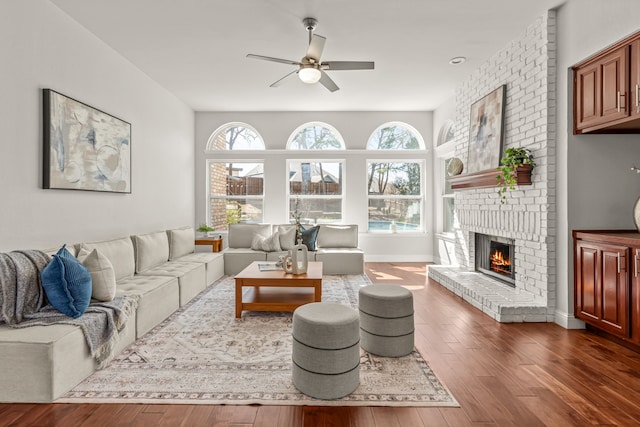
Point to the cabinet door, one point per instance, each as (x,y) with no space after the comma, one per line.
(587,273)
(601,286)
(614,85)
(587,101)
(601,90)
(634,297)
(634,80)
(614,311)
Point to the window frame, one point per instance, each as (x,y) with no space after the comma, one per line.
(337,135)
(224,127)
(420,197)
(414,131)
(442,154)
(289,196)
(211,197)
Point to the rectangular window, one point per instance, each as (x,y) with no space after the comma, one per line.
(447,201)
(236,193)
(395,196)
(315,189)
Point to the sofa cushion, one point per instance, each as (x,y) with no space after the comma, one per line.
(119,252)
(181,242)
(341,260)
(151,250)
(159,297)
(241,235)
(337,236)
(309,236)
(67,284)
(287,236)
(267,244)
(103,277)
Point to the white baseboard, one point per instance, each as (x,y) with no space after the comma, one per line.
(398,258)
(567,321)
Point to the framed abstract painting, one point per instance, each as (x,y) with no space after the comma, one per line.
(486,131)
(84,148)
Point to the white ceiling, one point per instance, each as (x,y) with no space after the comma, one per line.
(196,48)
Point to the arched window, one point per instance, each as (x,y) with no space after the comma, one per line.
(395,189)
(235,136)
(315,136)
(395,136)
(447,132)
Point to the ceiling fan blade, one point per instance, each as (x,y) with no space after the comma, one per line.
(269,58)
(282,80)
(316,46)
(348,65)
(327,82)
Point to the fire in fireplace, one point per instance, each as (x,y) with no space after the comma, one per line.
(494,257)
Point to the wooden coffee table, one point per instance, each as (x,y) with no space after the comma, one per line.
(276,290)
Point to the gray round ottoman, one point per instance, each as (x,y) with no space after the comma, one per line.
(326,350)
(386,320)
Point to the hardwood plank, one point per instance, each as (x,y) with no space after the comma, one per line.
(267,416)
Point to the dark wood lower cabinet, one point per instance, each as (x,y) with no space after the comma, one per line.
(634,297)
(602,284)
(607,282)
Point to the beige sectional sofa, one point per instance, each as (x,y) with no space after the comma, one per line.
(41,363)
(336,247)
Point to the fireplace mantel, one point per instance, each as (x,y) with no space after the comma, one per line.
(488,178)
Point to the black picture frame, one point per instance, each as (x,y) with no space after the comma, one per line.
(84,148)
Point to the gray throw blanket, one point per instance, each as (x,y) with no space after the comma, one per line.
(22,300)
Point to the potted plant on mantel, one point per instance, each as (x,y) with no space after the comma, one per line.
(512,159)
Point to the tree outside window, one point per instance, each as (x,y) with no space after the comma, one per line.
(395,196)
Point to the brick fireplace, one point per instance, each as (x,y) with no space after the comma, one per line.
(526,222)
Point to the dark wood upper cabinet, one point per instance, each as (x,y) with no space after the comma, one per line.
(634,82)
(606,88)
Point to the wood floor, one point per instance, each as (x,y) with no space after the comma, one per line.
(501,374)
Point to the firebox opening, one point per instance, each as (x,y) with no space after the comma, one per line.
(494,257)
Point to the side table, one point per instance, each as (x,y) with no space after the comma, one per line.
(216,244)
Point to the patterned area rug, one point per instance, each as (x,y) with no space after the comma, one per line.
(202,354)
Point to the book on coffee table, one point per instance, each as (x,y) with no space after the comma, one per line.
(269,266)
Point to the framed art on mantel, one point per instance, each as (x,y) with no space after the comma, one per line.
(84,148)
(486,131)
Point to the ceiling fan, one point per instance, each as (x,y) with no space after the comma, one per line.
(310,68)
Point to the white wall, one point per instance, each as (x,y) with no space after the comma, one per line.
(41,47)
(356,128)
(596,189)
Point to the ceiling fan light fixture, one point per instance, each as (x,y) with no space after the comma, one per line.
(309,75)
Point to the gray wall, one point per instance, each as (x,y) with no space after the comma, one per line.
(41,47)
(596,190)
(355,128)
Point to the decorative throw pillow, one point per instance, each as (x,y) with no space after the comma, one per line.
(103,276)
(67,284)
(181,242)
(267,244)
(309,236)
(287,237)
